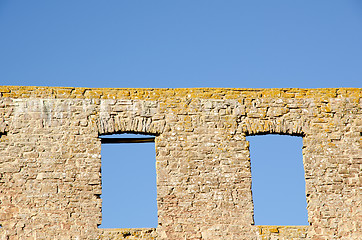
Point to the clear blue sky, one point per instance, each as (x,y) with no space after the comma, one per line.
(205,43)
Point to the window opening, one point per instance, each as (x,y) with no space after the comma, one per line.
(128,181)
(278,182)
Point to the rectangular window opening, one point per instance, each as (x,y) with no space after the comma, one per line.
(128,181)
(278,181)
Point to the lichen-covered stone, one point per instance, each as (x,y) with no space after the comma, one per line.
(50,160)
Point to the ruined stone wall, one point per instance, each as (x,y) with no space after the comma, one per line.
(50,181)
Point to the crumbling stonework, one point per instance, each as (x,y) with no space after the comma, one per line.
(282,232)
(50,160)
(128,233)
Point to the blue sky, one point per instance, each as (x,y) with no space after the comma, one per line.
(129,184)
(180,44)
(278,184)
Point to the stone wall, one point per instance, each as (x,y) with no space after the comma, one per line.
(50,181)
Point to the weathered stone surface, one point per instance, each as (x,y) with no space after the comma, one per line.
(128,233)
(50,159)
(283,232)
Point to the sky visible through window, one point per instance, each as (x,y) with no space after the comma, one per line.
(278,183)
(128,184)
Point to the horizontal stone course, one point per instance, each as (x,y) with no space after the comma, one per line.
(128,233)
(282,232)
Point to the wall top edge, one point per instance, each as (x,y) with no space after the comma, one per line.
(159,93)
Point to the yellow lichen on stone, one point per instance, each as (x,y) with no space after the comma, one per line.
(282,232)
(154,94)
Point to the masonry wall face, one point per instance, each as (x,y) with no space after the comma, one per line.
(50,160)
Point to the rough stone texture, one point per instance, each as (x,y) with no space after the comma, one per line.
(50,159)
(282,232)
(128,233)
